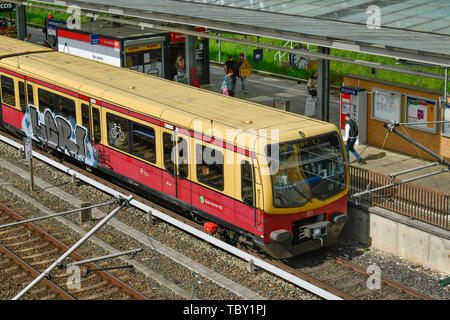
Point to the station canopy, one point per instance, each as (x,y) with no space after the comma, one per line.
(417,30)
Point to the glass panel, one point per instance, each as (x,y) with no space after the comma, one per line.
(183,158)
(308,168)
(96,124)
(144,144)
(8,92)
(117,132)
(168,147)
(46,100)
(85,118)
(66,107)
(22,99)
(30,94)
(209,166)
(247,183)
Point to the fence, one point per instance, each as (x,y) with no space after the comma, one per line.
(409,199)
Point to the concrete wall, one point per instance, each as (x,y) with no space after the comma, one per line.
(414,240)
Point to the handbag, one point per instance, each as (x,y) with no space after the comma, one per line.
(225,91)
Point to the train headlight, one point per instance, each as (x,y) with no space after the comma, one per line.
(317,233)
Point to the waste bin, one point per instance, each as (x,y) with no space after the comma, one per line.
(282,103)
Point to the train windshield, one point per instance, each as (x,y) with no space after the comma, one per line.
(306,169)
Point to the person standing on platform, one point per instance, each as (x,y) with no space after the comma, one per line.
(230,64)
(227,84)
(351,132)
(312,85)
(244,71)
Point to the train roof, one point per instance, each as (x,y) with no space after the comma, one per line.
(11,47)
(166,100)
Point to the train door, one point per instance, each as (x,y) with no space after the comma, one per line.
(245,208)
(169,176)
(176,164)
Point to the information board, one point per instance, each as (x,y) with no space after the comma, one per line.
(386,105)
(421,110)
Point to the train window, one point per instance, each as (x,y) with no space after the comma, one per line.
(96,125)
(8,92)
(117,132)
(183,157)
(66,107)
(30,94)
(59,105)
(22,99)
(144,143)
(85,117)
(246,183)
(168,147)
(46,100)
(209,164)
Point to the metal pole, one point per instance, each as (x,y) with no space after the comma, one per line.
(394,175)
(124,201)
(114,255)
(446,85)
(31,175)
(56,215)
(220,50)
(391,127)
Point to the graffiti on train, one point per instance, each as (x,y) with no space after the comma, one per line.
(59,133)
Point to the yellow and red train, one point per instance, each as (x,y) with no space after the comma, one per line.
(268,178)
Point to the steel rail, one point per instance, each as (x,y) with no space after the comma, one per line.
(105,275)
(183,226)
(124,201)
(35,273)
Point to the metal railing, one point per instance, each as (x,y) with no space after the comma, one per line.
(408,199)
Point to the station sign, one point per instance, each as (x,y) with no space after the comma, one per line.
(7,6)
(94,39)
(258,55)
(180,37)
(27,148)
(146,47)
(53,24)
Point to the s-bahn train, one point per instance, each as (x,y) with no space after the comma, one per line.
(270,179)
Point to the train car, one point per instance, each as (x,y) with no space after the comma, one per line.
(270,179)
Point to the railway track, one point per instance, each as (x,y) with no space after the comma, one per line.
(342,278)
(26,250)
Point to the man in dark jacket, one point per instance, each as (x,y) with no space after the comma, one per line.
(351,132)
(231,64)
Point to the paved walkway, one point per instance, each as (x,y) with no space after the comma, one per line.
(263,89)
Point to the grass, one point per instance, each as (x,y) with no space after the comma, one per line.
(271,64)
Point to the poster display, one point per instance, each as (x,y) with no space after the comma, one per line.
(421,110)
(386,105)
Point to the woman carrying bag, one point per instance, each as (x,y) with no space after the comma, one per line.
(227,84)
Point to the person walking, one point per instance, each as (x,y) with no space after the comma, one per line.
(351,132)
(230,64)
(244,71)
(227,84)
